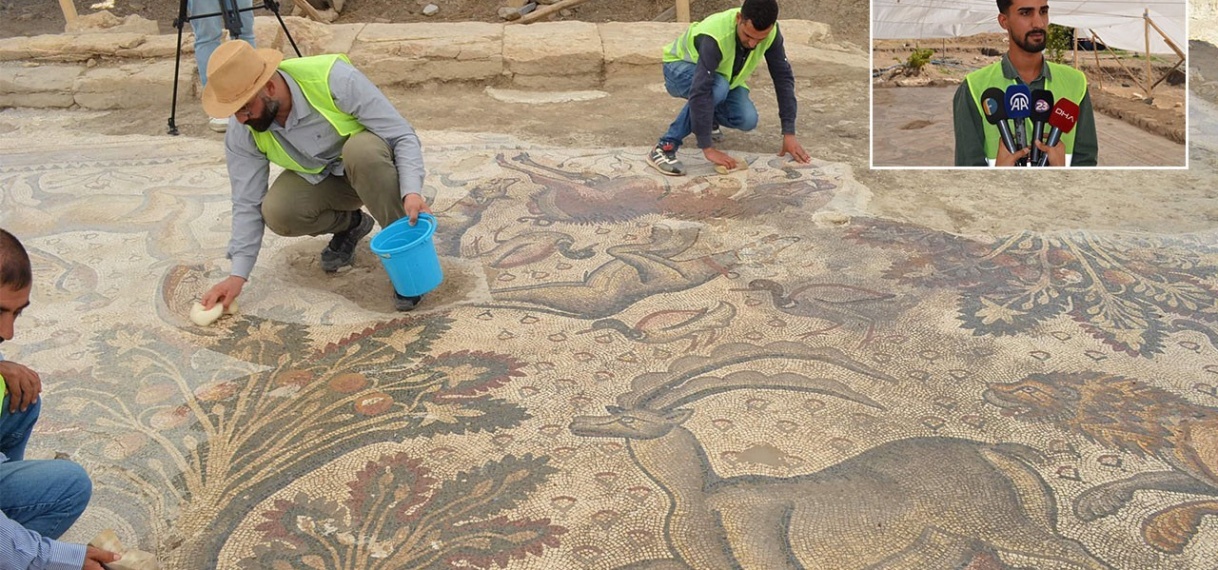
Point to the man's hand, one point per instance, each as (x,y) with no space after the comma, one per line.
(791,146)
(413,204)
(1056,153)
(24,385)
(95,557)
(1008,158)
(719,157)
(224,292)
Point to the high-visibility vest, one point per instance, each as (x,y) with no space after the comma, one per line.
(1063,81)
(722,27)
(313,76)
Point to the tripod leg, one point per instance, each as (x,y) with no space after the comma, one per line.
(273,6)
(177,68)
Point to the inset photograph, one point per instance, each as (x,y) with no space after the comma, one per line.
(1029,83)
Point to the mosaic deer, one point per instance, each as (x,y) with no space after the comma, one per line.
(897,505)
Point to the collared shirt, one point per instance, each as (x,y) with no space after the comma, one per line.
(312,142)
(970,133)
(22,548)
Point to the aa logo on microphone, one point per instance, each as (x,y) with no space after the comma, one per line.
(1063,114)
(1019,102)
(1042,106)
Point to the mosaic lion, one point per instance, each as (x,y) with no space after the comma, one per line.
(1134,417)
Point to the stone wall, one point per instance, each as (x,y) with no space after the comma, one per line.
(122,68)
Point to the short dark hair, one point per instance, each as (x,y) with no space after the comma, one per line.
(1003,5)
(14,263)
(762,13)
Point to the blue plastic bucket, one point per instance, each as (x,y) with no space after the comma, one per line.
(409,255)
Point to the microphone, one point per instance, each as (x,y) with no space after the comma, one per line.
(1018,110)
(1042,105)
(996,114)
(1062,118)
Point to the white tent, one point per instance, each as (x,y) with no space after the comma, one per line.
(1119,23)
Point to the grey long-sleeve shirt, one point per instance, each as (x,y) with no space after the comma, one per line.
(312,142)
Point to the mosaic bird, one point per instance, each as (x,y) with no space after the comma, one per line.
(698,326)
(828,301)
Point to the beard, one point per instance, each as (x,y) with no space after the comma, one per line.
(262,122)
(1030,45)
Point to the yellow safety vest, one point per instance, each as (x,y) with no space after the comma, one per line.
(722,27)
(1063,81)
(313,76)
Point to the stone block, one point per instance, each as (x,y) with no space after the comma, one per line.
(15,48)
(312,37)
(81,47)
(553,49)
(408,54)
(634,51)
(24,85)
(804,32)
(557,82)
(132,86)
(160,46)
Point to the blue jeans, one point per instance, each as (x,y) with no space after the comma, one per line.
(733,108)
(208,30)
(44,496)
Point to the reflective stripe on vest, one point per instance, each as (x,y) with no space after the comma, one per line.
(312,74)
(722,27)
(1062,80)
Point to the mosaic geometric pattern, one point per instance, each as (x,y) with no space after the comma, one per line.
(621,371)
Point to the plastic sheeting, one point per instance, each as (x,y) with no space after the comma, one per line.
(1118,23)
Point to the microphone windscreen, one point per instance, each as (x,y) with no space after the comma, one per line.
(1018,101)
(1064,115)
(1042,105)
(992,105)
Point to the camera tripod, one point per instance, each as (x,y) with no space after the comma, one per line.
(232,22)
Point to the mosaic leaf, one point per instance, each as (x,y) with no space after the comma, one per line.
(1128,291)
(393,520)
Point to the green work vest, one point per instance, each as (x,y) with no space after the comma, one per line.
(1062,80)
(3,391)
(313,76)
(722,27)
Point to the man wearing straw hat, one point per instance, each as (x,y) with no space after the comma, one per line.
(341,142)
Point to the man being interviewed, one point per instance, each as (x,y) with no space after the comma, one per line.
(341,142)
(708,65)
(977,140)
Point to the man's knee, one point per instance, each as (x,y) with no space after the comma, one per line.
(364,149)
(720,90)
(279,215)
(748,119)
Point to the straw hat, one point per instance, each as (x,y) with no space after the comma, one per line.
(235,72)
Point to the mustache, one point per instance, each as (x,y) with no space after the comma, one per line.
(1041,32)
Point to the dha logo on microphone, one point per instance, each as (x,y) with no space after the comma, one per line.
(1063,114)
(1042,105)
(1019,102)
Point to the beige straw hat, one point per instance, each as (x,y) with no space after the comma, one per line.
(235,72)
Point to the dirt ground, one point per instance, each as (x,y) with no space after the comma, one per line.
(848,18)
(1117,85)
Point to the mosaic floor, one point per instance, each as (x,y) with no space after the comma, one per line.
(621,371)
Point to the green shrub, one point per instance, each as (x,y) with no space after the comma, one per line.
(1060,40)
(919,58)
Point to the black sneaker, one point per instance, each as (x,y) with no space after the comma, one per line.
(716,133)
(664,158)
(341,251)
(404,304)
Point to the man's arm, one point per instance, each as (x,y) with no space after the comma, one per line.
(970,133)
(21,548)
(1086,145)
(248,173)
(357,96)
(702,91)
(784,83)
